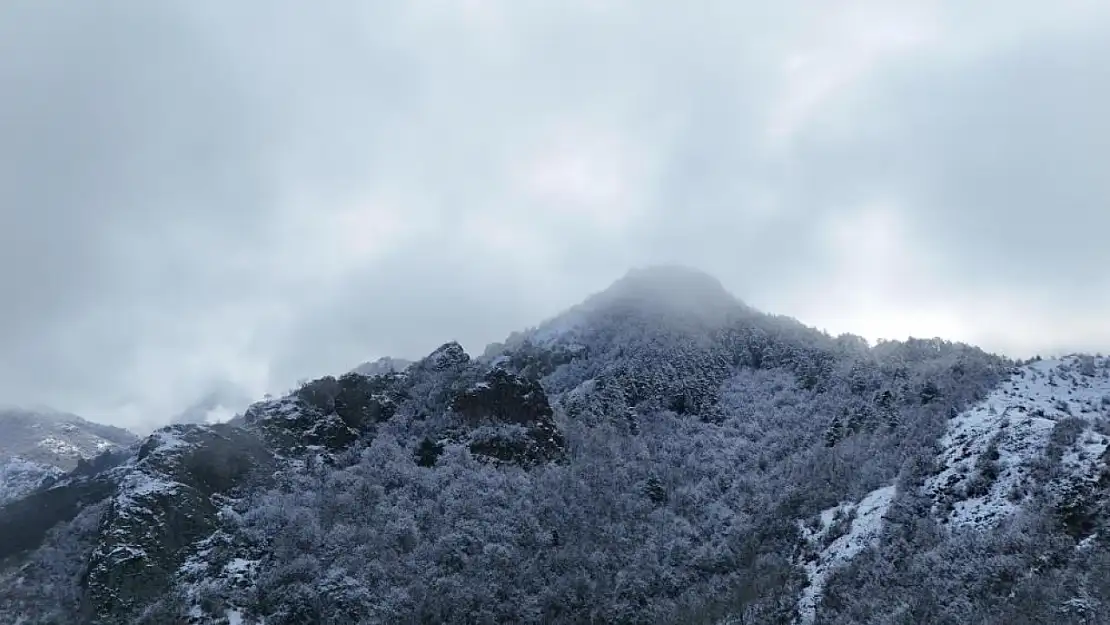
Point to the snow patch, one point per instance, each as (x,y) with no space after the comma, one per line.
(1084,458)
(863,531)
(240,569)
(137,486)
(168,440)
(217,562)
(988,451)
(19,477)
(60,447)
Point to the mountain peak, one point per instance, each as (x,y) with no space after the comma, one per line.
(670,282)
(673,290)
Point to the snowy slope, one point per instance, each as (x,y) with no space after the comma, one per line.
(1039,422)
(55,439)
(168,497)
(841,533)
(19,476)
(989,452)
(36,445)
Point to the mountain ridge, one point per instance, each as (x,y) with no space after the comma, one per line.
(665,454)
(39,446)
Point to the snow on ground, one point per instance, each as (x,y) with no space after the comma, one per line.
(138,486)
(241,569)
(168,440)
(287,407)
(1010,430)
(60,447)
(18,477)
(866,522)
(217,562)
(1085,458)
(143,477)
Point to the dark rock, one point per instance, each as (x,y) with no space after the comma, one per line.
(528,447)
(448,356)
(536,362)
(655,490)
(515,420)
(166,501)
(364,401)
(292,424)
(319,394)
(505,398)
(25,522)
(106,460)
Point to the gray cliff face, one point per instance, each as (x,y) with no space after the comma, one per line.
(166,500)
(153,506)
(519,425)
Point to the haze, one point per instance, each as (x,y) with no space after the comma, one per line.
(204,197)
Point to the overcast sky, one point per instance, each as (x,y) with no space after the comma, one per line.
(203,195)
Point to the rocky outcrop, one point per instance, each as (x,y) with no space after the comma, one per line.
(503,397)
(448,356)
(167,499)
(510,419)
(303,420)
(364,401)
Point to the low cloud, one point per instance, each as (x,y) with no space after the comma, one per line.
(199,195)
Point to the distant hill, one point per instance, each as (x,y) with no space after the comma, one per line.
(55,438)
(37,445)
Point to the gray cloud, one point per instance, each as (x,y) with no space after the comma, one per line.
(201,196)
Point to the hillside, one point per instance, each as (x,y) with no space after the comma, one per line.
(38,446)
(661,453)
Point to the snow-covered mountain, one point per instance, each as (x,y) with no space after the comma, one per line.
(993,456)
(41,445)
(18,477)
(1040,436)
(55,438)
(661,453)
